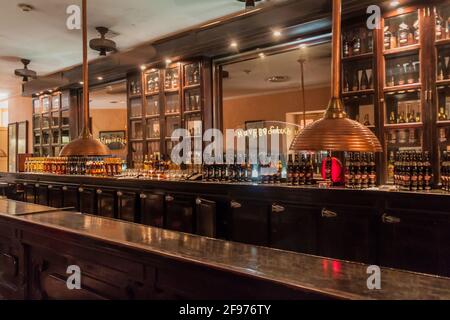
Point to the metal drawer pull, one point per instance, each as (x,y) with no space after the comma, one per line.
(198,201)
(25,184)
(119,193)
(50,187)
(169,198)
(235,205)
(37,185)
(389,219)
(99,191)
(64,188)
(328,213)
(277,208)
(143,196)
(80,189)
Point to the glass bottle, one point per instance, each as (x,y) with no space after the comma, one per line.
(439,25)
(403,32)
(387,38)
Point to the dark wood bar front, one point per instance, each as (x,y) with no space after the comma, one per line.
(406,230)
(120,260)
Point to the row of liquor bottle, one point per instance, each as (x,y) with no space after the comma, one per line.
(95,166)
(443,67)
(410,117)
(409,137)
(405,34)
(401,35)
(402,73)
(358,80)
(410,170)
(135,87)
(360,170)
(445,171)
(358,42)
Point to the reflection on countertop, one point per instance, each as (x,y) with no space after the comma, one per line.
(17,208)
(335,278)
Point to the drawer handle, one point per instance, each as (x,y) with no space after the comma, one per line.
(64,188)
(25,184)
(13,260)
(119,193)
(235,205)
(328,213)
(50,187)
(198,201)
(169,198)
(37,185)
(389,219)
(277,208)
(143,196)
(99,191)
(80,190)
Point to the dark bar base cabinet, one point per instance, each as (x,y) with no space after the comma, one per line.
(392,229)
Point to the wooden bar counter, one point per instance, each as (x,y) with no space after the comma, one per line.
(403,230)
(120,260)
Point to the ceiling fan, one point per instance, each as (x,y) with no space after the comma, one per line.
(102,44)
(25,73)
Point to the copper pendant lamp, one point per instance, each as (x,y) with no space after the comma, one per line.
(85,144)
(335,131)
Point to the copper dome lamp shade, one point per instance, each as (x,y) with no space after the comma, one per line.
(85,144)
(335,131)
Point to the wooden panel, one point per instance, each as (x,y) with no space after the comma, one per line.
(29,193)
(294,228)
(55,196)
(10,277)
(206,218)
(250,221)
(408,240)
(152,209)
(126,206)
(179,212)
(42,194)
(87,200)
(347,233)
(106,200)
(70,197)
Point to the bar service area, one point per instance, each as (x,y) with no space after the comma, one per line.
(229,149)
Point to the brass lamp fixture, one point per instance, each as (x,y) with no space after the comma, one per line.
(335,131)
(85,144)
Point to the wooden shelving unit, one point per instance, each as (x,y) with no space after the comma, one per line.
(170,97)
(51,123)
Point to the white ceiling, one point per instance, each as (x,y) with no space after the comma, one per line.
(113,96)
(249,77)
(42,37)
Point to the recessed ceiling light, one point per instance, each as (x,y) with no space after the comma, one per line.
(278,79)
(100,78)
(400,10)
(302,46)
(233,44)
(277,33)
(81,82)
(262,55)
(25,7)
(168,61)
(394,3)
(143,67)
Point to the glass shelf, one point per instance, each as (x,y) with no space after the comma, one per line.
(192,74)
(152,108)
(361,109)
(403,108)
(401,31)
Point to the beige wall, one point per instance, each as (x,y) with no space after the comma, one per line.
(271,107)
(20,109)
(109,120)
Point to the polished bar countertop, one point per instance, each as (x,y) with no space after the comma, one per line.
(17,208)
(333,278)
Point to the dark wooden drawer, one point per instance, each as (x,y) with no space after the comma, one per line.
(152,209)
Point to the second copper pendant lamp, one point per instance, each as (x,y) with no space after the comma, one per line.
(85,144)
(335,131)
